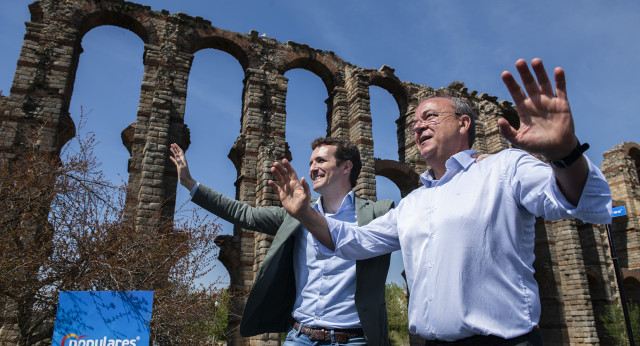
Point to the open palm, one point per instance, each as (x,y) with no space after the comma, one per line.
(546,123)
(294,194)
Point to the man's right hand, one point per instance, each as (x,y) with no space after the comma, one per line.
(294,193)
(182,167)
(295,196)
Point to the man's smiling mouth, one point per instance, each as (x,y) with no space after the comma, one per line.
(317,176)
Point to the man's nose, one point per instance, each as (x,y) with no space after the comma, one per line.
(418,127)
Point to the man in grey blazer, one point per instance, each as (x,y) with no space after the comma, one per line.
(318,301)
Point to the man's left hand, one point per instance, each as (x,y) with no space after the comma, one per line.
(546,123)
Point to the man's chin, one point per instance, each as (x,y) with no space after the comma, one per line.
(316,187)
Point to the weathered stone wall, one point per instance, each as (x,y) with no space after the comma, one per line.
(573,269)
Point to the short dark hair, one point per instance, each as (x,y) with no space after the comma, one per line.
(345,151)
(460,106)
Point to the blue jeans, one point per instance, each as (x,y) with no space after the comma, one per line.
(295,338)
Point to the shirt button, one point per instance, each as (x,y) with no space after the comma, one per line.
(325,277)
(430,265)
(433,235)
(321,297)
(317,318)
(430,298)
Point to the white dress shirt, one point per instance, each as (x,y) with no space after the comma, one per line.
(467,242)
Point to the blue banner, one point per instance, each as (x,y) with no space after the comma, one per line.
(619,211)
(103,318)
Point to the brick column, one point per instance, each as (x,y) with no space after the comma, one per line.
(159,122)
(338,125)
(488,138)
(261,142)
(36,117)
(37,112)
(408,151)
(621,168)
(360,129)
(573,284)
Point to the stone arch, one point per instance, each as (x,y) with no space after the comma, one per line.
(393,86)
(119,19)
(219,75)
(127,133)
(327,75)
(399,173)
(631,284)
(307,89)
(633,150)
(101,17)
(223,44)
(316,67)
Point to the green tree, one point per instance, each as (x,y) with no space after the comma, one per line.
(614,323)
(220,312)
(397,311)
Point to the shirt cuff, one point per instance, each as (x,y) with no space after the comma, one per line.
(193,190)
(594,205)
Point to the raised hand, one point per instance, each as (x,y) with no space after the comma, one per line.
(294,194)
(546,123)
(178,158)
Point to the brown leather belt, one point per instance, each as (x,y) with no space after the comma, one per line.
(322,334)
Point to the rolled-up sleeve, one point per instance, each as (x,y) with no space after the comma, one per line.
(595,202)
(534,179)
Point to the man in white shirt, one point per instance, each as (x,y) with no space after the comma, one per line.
(467,235)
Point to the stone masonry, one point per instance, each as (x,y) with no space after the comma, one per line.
(573,267)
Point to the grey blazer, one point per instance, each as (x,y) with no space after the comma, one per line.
(270,303)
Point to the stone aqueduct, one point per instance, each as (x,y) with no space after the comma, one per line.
(572,264)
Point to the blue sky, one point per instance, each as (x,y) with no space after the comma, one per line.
(426,42)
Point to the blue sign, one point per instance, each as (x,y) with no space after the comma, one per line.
(619,211)
(103,318)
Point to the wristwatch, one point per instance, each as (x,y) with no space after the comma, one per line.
(572,157)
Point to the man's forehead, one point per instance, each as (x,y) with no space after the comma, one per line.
(324,150)
(435,103)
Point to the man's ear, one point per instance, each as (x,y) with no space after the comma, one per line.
(348,166)
(465,123)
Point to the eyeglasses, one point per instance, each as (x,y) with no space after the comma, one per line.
(432,118)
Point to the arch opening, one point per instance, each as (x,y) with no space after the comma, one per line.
(306,116)
(212,115)
(106,62)
(316,68)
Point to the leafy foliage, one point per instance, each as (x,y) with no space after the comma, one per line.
(397,311)
(614,323)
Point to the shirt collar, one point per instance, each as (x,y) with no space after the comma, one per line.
(461,160)
(347,202)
